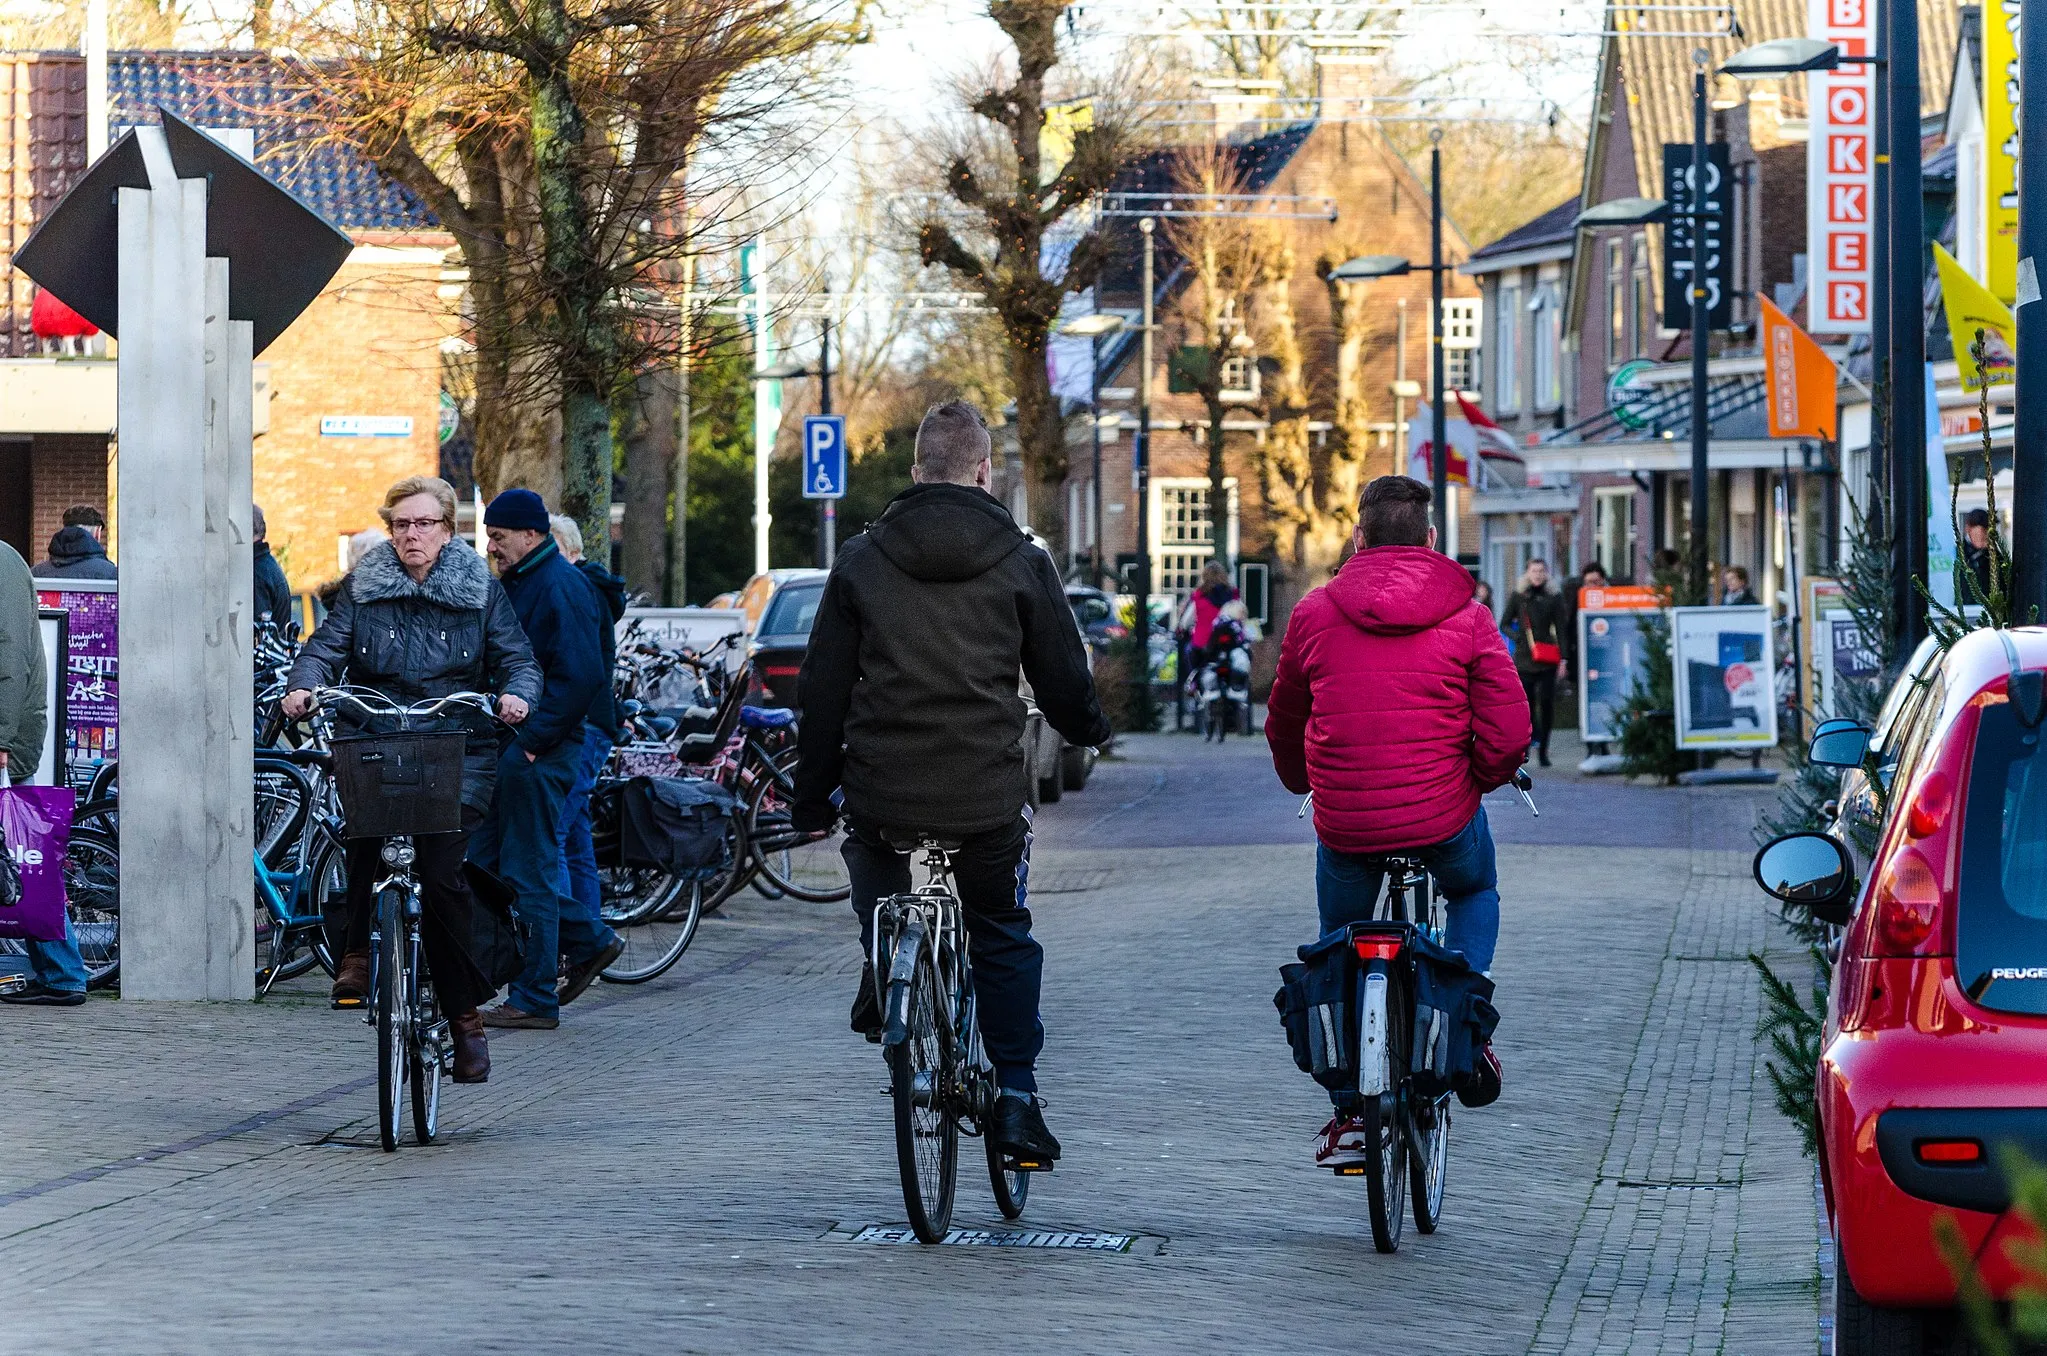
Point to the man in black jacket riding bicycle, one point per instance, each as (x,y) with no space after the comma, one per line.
(911,709)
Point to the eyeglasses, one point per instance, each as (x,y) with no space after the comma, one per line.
(401,526)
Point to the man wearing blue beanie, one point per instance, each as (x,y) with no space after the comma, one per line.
(521,838)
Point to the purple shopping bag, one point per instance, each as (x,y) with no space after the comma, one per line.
(35,826)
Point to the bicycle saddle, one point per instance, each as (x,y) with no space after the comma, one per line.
(767,717)
(911,840)
(661,725)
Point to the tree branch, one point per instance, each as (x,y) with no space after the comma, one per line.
(937,245)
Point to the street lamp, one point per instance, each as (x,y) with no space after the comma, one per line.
(1651,211)
(1790,56)
(827,509)
(1095,328)
(1368,267)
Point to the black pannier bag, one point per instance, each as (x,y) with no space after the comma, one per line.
(1317,1002)
(677,825)
(1453,1018)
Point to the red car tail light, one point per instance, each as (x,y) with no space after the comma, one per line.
(1908,898)
(1929,812)
(1948,1151)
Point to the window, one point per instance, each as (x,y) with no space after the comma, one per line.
(1239,377)
(1183,538)
(793,611)
(1613,530)
(1548,343)
(1642,301)
(2001,914)
(1616,292)
(1506,352)
(1461,318)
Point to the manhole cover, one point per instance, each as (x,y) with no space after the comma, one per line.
(1069,882)
(1071,1240)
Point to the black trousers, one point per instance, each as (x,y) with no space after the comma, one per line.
(991,872)
(447,910)
(1541,687)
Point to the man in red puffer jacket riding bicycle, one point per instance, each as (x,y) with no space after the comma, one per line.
(1397,705)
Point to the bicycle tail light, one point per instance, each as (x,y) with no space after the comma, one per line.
(1377,948)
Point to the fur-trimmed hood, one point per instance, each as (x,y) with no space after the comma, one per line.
(460,579)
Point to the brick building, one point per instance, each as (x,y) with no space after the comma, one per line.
(348,399)
(1292,170)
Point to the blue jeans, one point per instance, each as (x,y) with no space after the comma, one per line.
(520,840)
(1347,887)
(57,965)
(578,877)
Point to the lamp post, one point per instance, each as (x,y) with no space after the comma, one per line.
(1094,328)
(827,515)
(2029,420)
(1371,266)
(1140,477)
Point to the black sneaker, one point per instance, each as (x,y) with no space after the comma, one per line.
(579,977)
(1019,1132)
(38,994)
(1484,1087)
(866,1009)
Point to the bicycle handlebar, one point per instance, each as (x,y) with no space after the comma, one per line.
(1521,782)
(384,706)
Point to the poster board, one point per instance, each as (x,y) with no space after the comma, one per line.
(1841,653)
(92,671)
(1723,666)
(699,628)
(1611,654)
(50,766)
(1818,595)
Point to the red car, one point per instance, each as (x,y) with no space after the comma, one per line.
(1934,1052)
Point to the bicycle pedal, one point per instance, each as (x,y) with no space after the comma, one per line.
(339,1004)
(1348,1170)
(1027,1164)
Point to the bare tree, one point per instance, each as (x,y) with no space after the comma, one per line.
(1229,257)
(572,152)
(130,24)
(1501,171)
(1016,203)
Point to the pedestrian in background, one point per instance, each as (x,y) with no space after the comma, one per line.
(1535,620)
(1482,594)
(359,545)
(79,548)
(1734,589)
(521,839)
(579,880)
(1976,551)
(57,971)
(273,590)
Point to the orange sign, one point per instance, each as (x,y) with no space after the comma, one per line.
(1801,379)
(1621,598)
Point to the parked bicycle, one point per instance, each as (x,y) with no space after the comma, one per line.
(941,1084)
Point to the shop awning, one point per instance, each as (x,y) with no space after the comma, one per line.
(1673,454)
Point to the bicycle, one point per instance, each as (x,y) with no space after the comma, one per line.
(1406,1129)
(940,1082)
(397,786)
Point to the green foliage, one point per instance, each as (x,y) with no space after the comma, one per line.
(1792,1028)
(1647,720)
(720,470)
(874,478)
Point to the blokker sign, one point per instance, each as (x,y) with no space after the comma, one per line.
(1840,162)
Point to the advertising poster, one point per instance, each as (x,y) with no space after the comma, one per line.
(92,674)
(1723,663)
(50,767)
(1821,596)
(1842,653)
(1611,654)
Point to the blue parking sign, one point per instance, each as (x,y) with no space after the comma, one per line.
(824,456)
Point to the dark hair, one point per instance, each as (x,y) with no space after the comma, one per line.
(84,515)
(951,441)
(1977,518)
(1594,565)
(1738,572)
(1535,561)
(1394,511)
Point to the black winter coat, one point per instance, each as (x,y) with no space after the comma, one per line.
(75,555)
(454,632)
(273,591)
(909,686)
(1532,615)
(569,628)
(611,593)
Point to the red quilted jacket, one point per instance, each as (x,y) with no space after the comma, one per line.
(1395,701)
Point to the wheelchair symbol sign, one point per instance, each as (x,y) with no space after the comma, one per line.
(824,456)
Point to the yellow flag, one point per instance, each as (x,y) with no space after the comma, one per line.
(1971,307)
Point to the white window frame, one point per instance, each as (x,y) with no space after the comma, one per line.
(1507,350)
(1547,342)
(1463,328)
(1176,563)
(1608,500)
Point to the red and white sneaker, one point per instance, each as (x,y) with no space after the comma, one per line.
(1341,1143)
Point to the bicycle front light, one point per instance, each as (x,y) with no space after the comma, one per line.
(398,854)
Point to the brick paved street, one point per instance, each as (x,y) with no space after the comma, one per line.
(662,1173)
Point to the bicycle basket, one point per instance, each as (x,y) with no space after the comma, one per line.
(400,783)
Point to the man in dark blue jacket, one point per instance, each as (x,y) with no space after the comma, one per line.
(579,878)
(520,840)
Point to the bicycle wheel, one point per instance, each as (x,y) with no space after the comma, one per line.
(631,894)
(927,1138)
(92,899)
(423,1054)
(1385,1170)
(807,866)
(1429,1166)
(1011,1187)
(392,1032)
(655,944)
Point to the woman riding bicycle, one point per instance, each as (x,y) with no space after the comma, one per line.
(420,617)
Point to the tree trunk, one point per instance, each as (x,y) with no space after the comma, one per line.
(1218,493)
(649,429)
(1040,434)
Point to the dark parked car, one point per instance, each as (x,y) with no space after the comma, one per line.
(786,603)
(1096,614)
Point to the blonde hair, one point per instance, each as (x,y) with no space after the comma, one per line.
(441,490)
(567,535)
